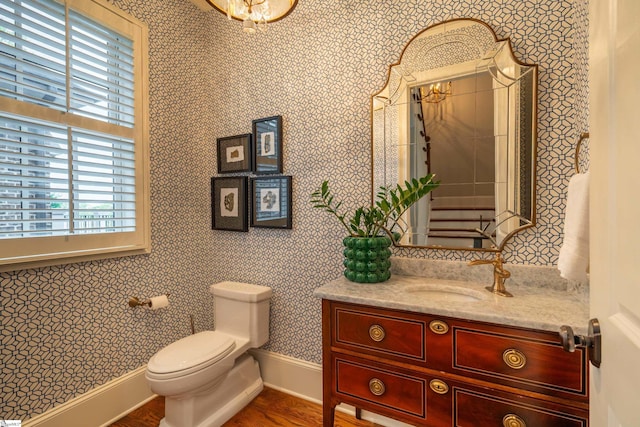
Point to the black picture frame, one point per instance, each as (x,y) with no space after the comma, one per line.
(267,137)
(229,203)
(271,202)
(235,153)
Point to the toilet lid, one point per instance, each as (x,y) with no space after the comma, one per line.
(203,348)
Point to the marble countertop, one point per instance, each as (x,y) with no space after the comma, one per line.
(542,308)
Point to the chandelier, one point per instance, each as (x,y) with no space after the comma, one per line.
(254,14)
(436,93)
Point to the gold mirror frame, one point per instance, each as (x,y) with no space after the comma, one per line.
(396,71)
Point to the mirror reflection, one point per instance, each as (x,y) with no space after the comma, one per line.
(459,105)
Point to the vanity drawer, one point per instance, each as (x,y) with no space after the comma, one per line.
(387,391)
(535,363)
(394,335)
(474,409)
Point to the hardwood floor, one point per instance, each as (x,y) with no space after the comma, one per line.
(271,408)
(148,415)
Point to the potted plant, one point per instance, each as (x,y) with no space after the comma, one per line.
(371,230)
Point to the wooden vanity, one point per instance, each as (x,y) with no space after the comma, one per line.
(433,370)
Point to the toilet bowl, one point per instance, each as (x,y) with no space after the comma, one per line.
(208,377)
(191,363)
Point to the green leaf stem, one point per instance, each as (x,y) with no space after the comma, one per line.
(388,208)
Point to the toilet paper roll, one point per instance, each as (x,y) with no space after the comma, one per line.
(161,301)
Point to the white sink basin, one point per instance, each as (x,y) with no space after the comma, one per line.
(446,293)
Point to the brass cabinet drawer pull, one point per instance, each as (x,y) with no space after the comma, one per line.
(438,327)
(514,358)
(439,386)
(376,386)
(376,332)
(512,420)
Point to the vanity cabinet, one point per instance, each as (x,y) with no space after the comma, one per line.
(438,371)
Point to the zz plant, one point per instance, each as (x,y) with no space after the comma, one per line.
(367,247)
(384,216)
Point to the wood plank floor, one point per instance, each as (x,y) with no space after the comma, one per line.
(271,408)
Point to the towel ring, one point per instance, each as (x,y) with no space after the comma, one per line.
(583,136)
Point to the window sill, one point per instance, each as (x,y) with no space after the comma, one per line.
(72,259)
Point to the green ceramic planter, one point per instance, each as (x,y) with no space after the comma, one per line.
(366,259)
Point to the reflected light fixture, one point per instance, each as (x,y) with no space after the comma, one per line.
(254,14)
(436,93)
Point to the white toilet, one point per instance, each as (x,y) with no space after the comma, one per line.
(208,377)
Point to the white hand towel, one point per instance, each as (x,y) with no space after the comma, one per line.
(573,261)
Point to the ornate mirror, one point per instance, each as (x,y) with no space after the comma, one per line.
(460,105)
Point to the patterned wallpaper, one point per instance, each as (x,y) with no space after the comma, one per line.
(581,62)
(67,329)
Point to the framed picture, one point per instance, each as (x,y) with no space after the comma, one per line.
(235,154)
(267,135)
(271,202)
(229,203)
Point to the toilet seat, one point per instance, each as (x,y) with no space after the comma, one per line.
(190,354)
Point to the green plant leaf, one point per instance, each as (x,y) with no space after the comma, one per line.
(384,213)
(384,205)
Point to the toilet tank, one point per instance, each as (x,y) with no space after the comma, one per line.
(242,309)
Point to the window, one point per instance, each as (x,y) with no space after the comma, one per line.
(73,132)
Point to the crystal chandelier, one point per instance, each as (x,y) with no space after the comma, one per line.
(254,14)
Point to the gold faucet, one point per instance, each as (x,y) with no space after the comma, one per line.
(499,274)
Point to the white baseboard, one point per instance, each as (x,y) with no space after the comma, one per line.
(109,402)
(304,379)
(99,407)
(293,376)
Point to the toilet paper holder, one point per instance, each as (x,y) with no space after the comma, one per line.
(135,301)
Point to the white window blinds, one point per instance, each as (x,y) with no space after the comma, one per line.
(33,52)
(101,72)
(71,145)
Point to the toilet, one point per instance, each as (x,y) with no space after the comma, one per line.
(208,377)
